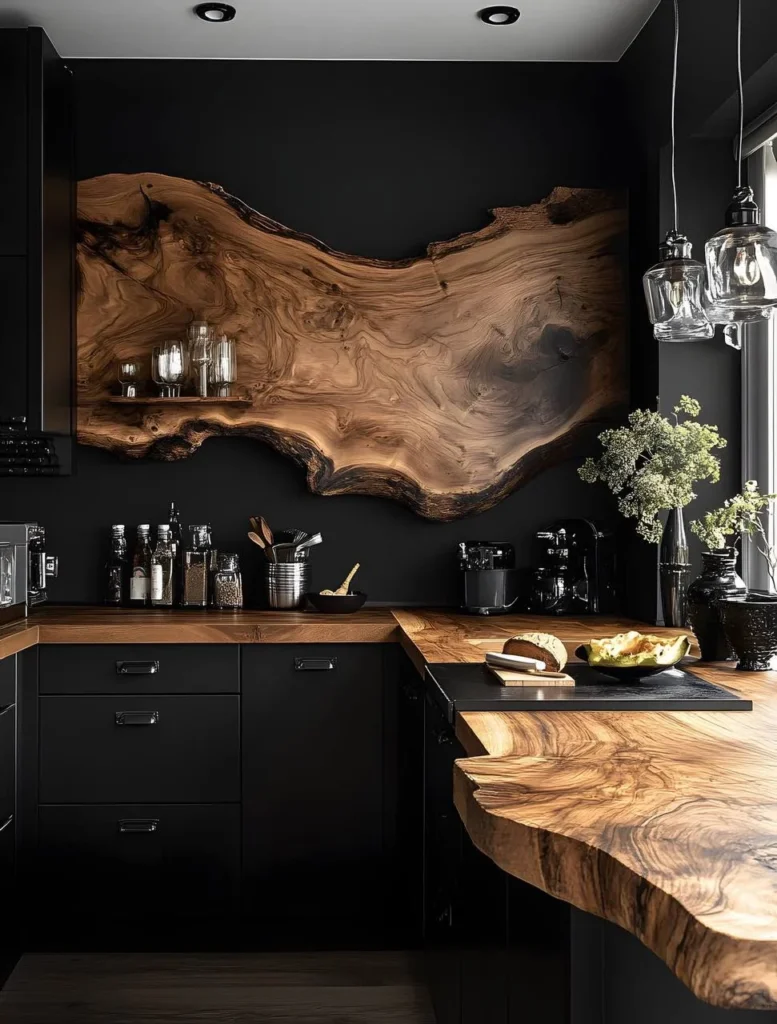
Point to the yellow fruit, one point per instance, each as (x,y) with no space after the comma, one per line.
(633,649)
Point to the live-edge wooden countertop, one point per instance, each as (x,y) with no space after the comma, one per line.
(663,822)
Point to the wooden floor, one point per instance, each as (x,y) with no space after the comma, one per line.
(244,988)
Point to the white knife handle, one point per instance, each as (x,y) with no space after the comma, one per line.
(514,661)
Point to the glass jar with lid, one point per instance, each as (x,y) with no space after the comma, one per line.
(228,583)
(196,564)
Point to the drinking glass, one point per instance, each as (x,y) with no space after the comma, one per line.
(173,366)
(158,370)
(200,335)
(129,377)
(224,366)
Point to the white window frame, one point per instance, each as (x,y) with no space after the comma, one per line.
(759,361)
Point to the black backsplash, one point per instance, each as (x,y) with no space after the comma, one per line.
(373,158)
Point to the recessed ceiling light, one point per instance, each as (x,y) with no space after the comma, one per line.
(215,12)
(499,15)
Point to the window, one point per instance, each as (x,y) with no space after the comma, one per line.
(759,362)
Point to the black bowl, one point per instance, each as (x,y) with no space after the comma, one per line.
(630,672)
(333,605)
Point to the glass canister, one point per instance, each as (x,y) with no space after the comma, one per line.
(196,564)
(228,583)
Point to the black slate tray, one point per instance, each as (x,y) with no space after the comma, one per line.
(474,688)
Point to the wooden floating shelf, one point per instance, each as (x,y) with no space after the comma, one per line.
(185,400)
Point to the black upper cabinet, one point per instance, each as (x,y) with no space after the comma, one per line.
(37,254)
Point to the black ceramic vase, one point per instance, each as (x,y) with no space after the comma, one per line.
(674,566)
(719,578)
(750,623)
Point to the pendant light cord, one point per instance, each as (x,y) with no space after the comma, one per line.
(674,105)
(741,93)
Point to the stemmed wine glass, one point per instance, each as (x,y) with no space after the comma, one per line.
(129,377)
(172,367)
(158,374)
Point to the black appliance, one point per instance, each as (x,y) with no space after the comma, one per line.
(25,569)
(489,578)
(574,570)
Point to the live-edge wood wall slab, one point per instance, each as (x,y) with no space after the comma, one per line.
(444,381)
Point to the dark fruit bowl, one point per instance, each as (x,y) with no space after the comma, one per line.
(632,672)
(337,605)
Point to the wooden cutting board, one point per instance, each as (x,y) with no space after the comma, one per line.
(509,677)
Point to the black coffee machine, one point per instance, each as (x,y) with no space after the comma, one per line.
(489,578)
(574,570)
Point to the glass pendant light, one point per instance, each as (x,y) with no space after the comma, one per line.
(742,258)
(674,287)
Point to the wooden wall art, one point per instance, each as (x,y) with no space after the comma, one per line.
(443,381)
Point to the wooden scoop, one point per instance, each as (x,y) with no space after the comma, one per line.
(342,590)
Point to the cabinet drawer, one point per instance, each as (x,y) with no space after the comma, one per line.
(7,761)
(139,668)
(303,666)
(8,680)
(139,860)
(139,749)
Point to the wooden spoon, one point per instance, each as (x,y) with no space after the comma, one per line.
(342,590)
(256,539)
(261,526)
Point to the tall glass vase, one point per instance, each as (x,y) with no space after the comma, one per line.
(674,565)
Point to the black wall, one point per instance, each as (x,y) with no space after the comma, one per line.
(373,158)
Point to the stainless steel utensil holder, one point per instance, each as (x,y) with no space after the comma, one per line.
(286,583)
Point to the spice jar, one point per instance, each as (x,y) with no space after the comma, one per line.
(196,564)
(227,583)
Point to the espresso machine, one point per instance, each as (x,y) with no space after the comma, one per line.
(489,577)
(25,569)
(574,570)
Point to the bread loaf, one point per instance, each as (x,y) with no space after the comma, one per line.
(542,646)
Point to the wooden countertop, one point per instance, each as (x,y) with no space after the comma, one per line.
(663,822)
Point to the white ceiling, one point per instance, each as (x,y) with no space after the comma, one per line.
(548,30)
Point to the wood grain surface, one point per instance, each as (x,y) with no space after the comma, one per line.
(122,625)
(443,381)
(662,822)
(237,988)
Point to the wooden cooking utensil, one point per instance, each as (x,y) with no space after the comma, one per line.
(344,587)
(260,525)
(256,539)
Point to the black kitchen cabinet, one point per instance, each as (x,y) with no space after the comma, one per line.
(409,700)
(139,749)
(315,790)
(138,862)
(139,668)
(137,787)
(9,917)
(37,252)
(497,950)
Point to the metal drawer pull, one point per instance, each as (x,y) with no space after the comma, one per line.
(137,668)
(138,824)
(6,823)
(6,707)
(137,717)
(314,664)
